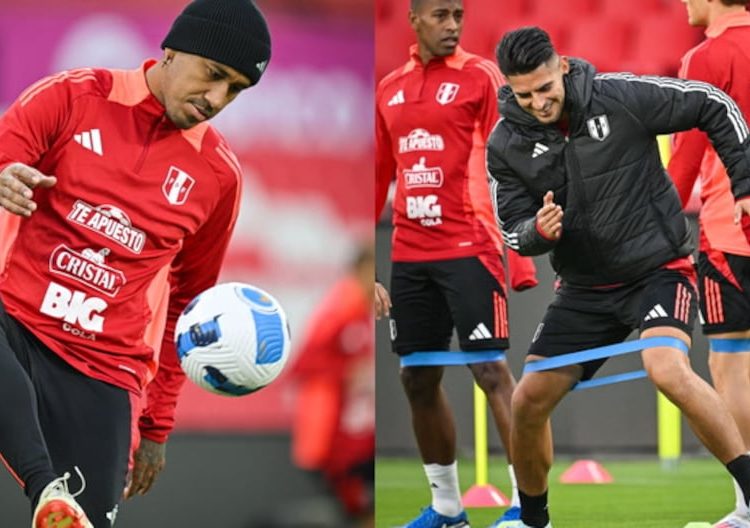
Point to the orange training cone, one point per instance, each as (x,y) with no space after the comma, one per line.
(484,496)
(586,472)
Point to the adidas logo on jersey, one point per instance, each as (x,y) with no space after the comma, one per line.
(480,332)
(397,99)
(90,140)
(655,313)
(539,149)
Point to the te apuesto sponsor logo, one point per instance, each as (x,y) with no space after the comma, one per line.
(87,267)
(110,222)
(420,139)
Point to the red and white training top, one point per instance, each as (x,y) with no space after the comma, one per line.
(136,226)
(723,59)
(431,125)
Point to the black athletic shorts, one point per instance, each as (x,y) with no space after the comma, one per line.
(85,422)
(724,284)
(582,318)
(430,298)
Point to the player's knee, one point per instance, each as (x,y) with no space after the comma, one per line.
(671,376)
(529,403)
(421,383)
(493,377)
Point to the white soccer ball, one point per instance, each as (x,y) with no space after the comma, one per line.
(233,339)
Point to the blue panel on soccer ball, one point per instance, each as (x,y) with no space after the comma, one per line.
(269,330)
(198,335)
(257,297)
(219,381)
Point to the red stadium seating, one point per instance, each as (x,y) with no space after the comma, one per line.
(603,42)
(658,46)
(563,10)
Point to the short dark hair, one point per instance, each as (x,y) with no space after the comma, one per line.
(735,2)
(523,50)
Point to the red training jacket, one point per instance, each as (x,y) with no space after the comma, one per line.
(135,227)
(723,60)
(431,126)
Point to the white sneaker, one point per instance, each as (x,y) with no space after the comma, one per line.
(734,520)
(520,524)
(57,507)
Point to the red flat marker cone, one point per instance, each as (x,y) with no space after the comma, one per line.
(586,472)
(484,496)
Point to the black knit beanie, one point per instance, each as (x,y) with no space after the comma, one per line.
(231,32)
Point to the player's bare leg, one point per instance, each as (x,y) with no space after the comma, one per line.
(730,373)
(432,419)
(435,431)
(704,410)
(497,382)
(669,369)
(534,399)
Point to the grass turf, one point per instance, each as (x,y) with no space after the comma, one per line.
(642,494)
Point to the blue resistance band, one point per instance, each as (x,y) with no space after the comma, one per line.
(592,354)
(444,358)
(729,345)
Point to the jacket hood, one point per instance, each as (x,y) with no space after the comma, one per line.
(578,82)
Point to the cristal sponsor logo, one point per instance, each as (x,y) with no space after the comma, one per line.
(420,139)
(425,209)
(74,308)
(422,176)
(110,222)
(87,267)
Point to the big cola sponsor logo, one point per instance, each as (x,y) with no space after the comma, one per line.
(88,268)
(80,313)
(110,222)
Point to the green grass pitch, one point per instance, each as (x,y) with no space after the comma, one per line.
(642,494)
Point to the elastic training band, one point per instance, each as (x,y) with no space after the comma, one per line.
(619,349)
(608,351)
(729,345)
(445,358)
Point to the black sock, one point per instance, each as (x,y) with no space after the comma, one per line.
(534,509)
(740,470)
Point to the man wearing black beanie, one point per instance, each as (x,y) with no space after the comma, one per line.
(117,202)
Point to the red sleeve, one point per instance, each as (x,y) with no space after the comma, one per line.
(521,270)
(34,122)
(385,164)
(195,269)
(689,147)
(489,114)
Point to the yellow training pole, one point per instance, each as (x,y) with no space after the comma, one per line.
(480,436)
(668,415)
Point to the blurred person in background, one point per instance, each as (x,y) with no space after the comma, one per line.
(118,204)
(578,174)
(723,60)
(433,115)
(334,420)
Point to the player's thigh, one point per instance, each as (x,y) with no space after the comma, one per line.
(420,318)
(577,320)
(724,286)
(473,287)
(86,423)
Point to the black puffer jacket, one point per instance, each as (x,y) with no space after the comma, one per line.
(622,216)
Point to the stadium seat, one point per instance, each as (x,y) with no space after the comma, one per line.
(602,41)
(569,11)
(392,40)
(658,45)
(633,10)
